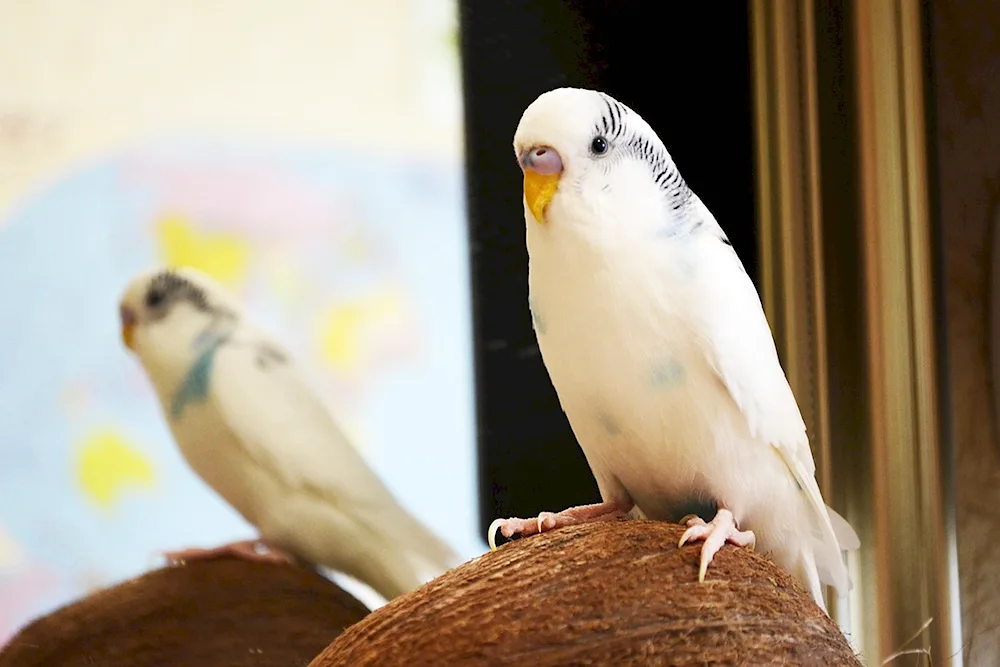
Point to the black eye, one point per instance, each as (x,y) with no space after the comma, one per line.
(154,298)
(599,146)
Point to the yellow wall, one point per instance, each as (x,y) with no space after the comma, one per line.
(79,79)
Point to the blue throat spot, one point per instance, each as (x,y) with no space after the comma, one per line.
(667,374)
(609,425)
(686,269)
(195,385)
(206,337)
(536,319)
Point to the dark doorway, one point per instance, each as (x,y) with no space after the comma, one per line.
(685,67)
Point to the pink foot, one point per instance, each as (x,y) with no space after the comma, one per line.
(722,529)
(606,511)
(252,550)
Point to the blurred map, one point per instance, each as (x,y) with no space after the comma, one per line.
(357,262)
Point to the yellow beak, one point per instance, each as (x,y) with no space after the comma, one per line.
(128,334)
(538,192)
(128,320)
(542,166)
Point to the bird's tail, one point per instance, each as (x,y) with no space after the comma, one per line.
(807,571)
(373,544)
(846,537)
(409,553)
(389,572)
(829,535)
(430,553)
(829,560)
(822,560)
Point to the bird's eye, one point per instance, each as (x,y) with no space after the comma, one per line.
(599,146)
(154,298)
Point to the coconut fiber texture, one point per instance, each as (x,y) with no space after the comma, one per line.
(617,593)
(218,613)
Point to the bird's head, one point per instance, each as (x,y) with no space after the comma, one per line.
(584,153)
(163,311)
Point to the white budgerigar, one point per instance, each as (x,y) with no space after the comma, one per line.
(250,425)
(657,345)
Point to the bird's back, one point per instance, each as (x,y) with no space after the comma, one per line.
(266,442)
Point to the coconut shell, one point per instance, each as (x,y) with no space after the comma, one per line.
(218,612)
(617,593)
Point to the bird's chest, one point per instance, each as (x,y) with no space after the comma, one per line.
(635,383)
(216,456)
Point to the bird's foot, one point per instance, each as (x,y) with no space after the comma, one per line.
(606,511)
(720,530)
(252,550)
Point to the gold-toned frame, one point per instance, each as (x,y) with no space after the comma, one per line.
(891,479)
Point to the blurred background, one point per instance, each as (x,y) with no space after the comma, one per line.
(306,154)
(346,169)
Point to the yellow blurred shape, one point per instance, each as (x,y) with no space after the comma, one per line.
(222,256)
(106,464)
(342,327)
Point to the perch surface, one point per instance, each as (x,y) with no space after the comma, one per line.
(210,613)
(617,593)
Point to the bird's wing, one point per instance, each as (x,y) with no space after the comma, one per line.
(285,428)
(741,349)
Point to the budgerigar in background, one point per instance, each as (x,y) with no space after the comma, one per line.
(657,345)
(248,423)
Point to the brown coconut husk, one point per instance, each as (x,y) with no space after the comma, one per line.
(213,613)
(618,593)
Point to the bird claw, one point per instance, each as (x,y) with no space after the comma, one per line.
(251,550)
(545,521)
(491,532)
(695,524)
(514,526)
(719,531)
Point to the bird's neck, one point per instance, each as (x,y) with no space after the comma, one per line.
(570,243)
(169,358)
(167,372)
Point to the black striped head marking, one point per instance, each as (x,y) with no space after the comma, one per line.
(168,288)
(615,134)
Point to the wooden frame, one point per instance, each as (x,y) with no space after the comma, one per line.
(889,469)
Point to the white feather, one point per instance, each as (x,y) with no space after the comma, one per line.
(741,349)
(267,444)
(656,342)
